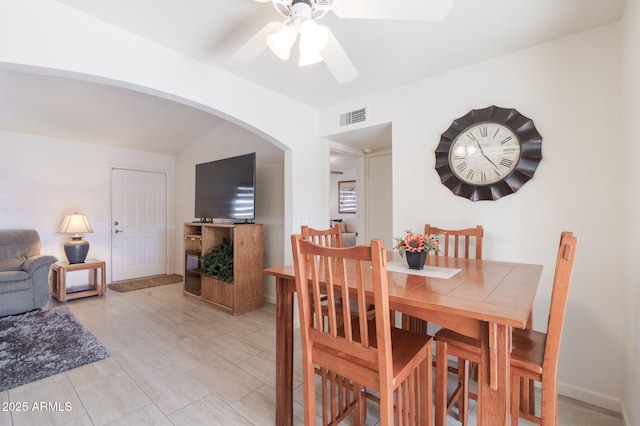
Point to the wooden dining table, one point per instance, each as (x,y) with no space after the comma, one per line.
(485,299)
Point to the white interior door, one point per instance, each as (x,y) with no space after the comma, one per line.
(138,224)
(379,193)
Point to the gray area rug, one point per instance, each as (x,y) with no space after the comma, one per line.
(42,343)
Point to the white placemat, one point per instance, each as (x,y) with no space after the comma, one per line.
(428,271)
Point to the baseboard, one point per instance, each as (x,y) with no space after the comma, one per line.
(590,397)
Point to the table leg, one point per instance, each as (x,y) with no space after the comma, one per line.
(284,353)
(103,279)
(54,282)
(62,285)
(493,378)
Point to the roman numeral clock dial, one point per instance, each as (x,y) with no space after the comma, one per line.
(488,153)
(484,153)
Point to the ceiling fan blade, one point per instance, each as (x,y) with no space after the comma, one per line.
(337,60)
(403,10)
(254,47)
(285,2)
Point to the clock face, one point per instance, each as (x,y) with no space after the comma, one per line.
(485,153)
(488,153)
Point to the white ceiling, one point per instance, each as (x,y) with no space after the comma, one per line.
(90,112)
(386,53)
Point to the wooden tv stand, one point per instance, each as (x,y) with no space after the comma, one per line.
(246,293)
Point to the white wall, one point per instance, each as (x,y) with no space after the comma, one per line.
(45,38)
(42,179)
(229,140)
(631,152)
(570,88)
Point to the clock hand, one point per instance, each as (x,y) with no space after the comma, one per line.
(485,155)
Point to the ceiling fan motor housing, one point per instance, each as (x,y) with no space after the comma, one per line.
(299,10)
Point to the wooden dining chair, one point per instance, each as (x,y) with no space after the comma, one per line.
(534,355)
(454,243)
(331,237)
(458,242)
(365,354)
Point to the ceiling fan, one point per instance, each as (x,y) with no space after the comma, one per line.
(316,42)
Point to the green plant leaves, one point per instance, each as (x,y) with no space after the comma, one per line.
(218,262)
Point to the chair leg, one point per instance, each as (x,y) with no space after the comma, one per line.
(386,407)
(425,390)
(463,400)
(360,413)
(515,399)
(441,383)
(461,394)
(549,402)
(309,394)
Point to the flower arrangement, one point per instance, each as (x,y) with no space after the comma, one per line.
(417,243)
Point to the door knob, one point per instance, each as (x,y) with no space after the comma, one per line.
(118,231)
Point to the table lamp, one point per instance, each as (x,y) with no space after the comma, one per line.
(76,249)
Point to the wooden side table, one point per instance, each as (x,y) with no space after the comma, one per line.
(96,286)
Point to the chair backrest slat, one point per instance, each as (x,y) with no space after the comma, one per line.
(458,238)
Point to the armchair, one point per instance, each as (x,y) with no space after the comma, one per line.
(349,233)
(24,273)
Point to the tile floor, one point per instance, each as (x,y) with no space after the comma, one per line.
(178,361)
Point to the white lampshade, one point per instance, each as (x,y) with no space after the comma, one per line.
(75,223)
(281,42)
(313,39)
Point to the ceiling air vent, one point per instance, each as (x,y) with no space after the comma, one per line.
(352,117)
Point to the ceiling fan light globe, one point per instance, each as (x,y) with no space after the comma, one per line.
(281,42)
(308,57)
(313,35)
(321,37)
(313,39)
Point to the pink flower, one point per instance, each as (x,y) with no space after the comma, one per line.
(417,243)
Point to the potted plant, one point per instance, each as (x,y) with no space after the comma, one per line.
(416,247)
(218,262)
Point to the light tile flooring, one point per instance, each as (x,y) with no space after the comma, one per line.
(178,361)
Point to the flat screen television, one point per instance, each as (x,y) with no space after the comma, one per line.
(225,189)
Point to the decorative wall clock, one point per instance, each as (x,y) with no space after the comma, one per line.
(488,153)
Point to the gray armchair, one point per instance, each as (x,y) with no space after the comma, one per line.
(24,273)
